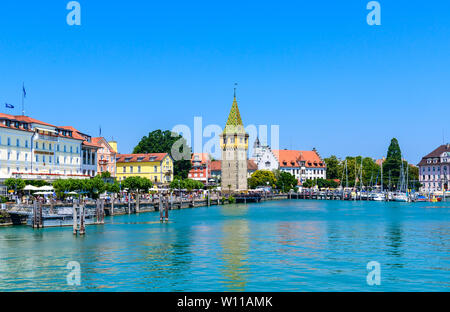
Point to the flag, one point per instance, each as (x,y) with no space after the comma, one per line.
(9,105)
(24,91)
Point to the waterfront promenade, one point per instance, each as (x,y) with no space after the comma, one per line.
(280,245)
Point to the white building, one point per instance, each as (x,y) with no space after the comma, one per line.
(434,169)
(304,165)
(32,149)
(264,157)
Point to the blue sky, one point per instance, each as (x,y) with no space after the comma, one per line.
(313,67)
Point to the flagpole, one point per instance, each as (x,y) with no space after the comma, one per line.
(23,108)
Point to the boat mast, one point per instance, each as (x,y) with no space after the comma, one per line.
(381,177)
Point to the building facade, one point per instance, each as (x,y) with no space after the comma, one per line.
(88,152)
(158,167)
(216,169)
(106,156)
(32,149)
(201,167)
(263,156)
(303,165)
(234,146)
(434,169)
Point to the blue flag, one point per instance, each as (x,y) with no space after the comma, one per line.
(9,105)
(24,92)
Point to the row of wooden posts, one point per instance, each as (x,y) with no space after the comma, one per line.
(79,223)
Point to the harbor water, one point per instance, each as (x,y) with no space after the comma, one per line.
(288,245)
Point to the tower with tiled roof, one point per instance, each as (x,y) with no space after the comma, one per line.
(234,145)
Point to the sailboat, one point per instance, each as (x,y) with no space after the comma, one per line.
(379,196)
(401,195)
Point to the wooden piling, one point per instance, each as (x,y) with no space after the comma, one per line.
(82,230)
(160,208)
(102,210)
(75,220)
(112,205)
(166,216)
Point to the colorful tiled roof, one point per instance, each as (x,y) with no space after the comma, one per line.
(234,122)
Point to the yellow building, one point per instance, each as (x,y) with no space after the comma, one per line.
(158,167)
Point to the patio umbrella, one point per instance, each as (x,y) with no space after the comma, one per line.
(46,188)
(30,188)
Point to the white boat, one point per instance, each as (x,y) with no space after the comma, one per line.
(378,197)
(401,197)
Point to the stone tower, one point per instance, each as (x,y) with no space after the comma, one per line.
(234,145)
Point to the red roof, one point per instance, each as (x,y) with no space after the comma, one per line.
(101,140)
(290,158)
(81,136)
(203,157)
(121,158)
(25,119)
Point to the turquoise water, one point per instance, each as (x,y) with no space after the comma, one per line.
(297,245)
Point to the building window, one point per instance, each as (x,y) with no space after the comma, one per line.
(37,158)
(17,156)
(49,147)
(26,143)
(57,148)
(131,169)
(124,169)
(37,145)
(17,143)
(139,169)
(155,169)
(71,149)
(43,146)
(43,159)
(9,141)
(65,149)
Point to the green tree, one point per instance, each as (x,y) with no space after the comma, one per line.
(414,177)
(105,174)
(392,164)
(286,182)
(137,185)
(309,183)
(334,167)
(15,184)
(260,178)
(168,142)
(113,187)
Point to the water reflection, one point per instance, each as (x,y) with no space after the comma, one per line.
(235,248)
